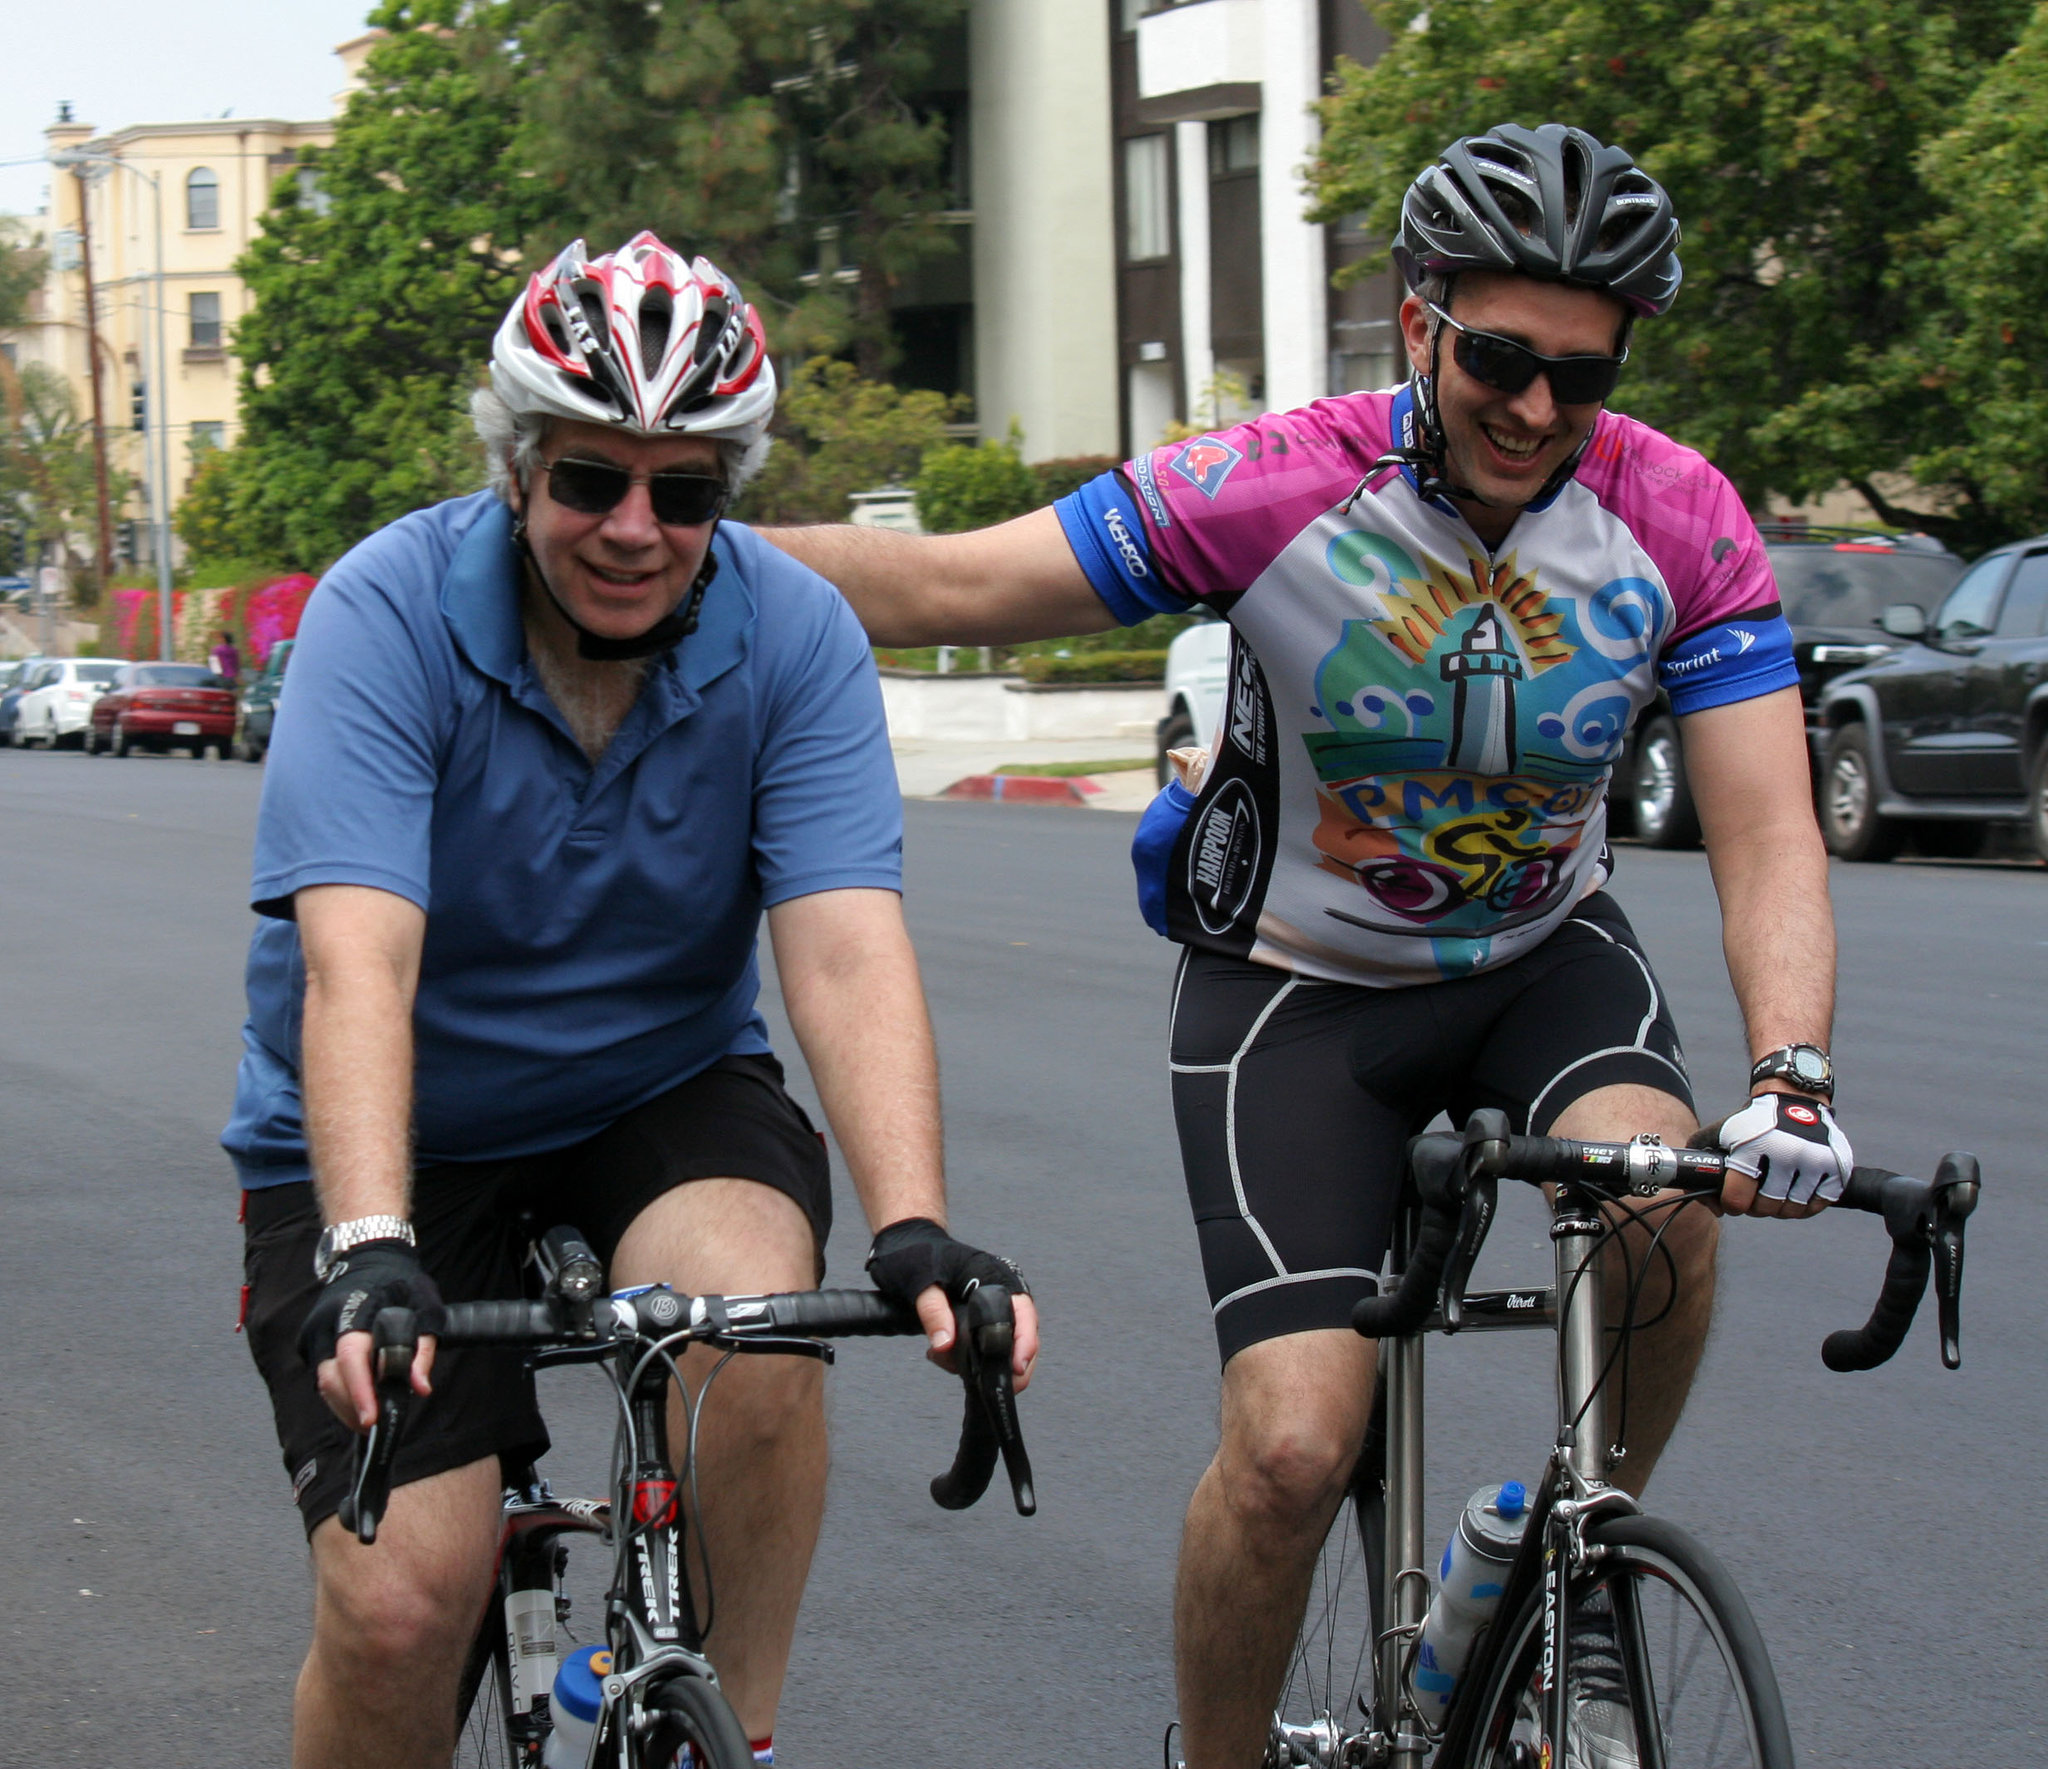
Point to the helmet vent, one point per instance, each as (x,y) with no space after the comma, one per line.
(711,327)
(657,316)
(591,299)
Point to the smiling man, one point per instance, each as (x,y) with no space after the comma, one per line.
(549,754)
(1447,602)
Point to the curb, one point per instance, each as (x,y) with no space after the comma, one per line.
(1033,789)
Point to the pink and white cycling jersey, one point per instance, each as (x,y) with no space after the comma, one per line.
(1409,782)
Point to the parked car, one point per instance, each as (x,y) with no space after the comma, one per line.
(56,705)
(259,704)
(1834,586)
(162,706)
(13,684)
(1949,733)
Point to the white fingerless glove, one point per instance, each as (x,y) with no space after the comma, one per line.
(1790,1145)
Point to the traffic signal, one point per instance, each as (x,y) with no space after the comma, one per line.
(138,402)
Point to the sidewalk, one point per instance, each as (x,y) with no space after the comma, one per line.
(925,768)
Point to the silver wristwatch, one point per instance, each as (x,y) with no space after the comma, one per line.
(1806,1066)
(338,1238)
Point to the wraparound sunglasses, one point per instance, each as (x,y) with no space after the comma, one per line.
(1508,367)
(595,488)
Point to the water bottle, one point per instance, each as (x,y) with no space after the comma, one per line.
(578,1695)
(1471,1575)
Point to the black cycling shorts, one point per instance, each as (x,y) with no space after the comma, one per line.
(1296,1098)
(734,1120)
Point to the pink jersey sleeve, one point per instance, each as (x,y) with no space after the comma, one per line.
(1220,508)
(1687,517)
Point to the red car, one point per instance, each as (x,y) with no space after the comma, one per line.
(162,706)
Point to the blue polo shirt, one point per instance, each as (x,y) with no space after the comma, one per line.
(590,929)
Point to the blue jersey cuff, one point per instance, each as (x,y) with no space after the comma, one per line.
(1107,534)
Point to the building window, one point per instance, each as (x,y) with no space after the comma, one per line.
(206,322)
(202,200)
(206,437)
(1234,146)
(1148,215)
(312,191)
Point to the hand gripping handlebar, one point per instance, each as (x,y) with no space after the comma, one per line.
(575,1317)
(1455,1179)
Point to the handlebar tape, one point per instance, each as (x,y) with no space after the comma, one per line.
(500,1323)
(1391,1317)
(842,1314)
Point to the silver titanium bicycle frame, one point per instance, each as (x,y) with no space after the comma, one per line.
(1573,1491)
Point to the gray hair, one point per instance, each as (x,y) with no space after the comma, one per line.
(512,443)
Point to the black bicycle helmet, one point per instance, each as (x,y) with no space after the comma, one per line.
(1549,202)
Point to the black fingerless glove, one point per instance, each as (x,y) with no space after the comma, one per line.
(908,1257)
(374,1276)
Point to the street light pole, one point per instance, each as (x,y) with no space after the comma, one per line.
(92,350)
(157,394)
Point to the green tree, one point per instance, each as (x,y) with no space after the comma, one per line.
(1961,400)
(46,469)
(836,434)
(1789,135)
(959,488)
(376,294)
(782,138)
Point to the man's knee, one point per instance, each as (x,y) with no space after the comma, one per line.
(408,1604)
(762,1404)
(1294,1420)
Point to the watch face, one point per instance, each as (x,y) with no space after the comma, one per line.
(1809,1065)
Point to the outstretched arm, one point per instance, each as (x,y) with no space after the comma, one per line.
(996,586)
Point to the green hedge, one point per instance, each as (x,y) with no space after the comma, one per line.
(1098,666)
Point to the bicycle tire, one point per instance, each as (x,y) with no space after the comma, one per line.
(1695,1651)
(693,1712)
(1327,1698)
(483,1703)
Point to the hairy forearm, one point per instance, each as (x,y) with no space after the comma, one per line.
(1778,932)
(857,1006)
(356,1066)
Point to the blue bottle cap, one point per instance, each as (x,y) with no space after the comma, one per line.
(579,1684)
(1513,1500)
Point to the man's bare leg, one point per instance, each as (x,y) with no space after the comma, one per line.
(1663,1358)
(761,1444)
(392,1625)
(1294,1418)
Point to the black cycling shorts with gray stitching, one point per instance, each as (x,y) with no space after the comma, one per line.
(1295,1099)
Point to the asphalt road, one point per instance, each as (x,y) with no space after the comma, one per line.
(1887,1527)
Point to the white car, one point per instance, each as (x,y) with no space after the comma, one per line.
(1197,672)
(56,706)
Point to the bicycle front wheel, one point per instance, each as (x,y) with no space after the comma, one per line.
(1668,1671)
(484,1703)
(1325,1703)
(690,1711)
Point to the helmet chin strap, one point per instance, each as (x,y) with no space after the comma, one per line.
(666,633)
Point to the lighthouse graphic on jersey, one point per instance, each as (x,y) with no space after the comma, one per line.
(1483,672)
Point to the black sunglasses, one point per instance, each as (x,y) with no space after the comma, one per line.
(1508,367)
(595,488)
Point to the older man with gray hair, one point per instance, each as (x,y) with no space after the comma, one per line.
(550,753)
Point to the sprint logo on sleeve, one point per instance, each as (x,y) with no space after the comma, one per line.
(1732,660)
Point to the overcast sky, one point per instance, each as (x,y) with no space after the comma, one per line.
(141,61)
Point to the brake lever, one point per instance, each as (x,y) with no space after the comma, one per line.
(1951,1198)
(394,1337)
(986,1334)
(1481,1195)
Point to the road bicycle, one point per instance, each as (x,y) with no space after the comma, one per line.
(658,1700)
(1618,1642)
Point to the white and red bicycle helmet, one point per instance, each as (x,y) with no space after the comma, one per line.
(642,338)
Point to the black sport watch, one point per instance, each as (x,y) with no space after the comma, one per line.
(1806,1066)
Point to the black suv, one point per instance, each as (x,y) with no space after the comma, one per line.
(1835,585)
(1949,735)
